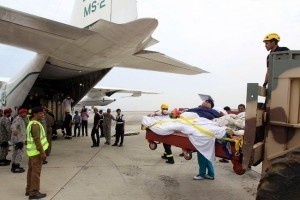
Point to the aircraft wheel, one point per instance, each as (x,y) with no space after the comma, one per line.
(282,179)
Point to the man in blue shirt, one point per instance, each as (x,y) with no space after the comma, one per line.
(205,165)
(205,110)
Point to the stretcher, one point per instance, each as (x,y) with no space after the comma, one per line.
(182,141)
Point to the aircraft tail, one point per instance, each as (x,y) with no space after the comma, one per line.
(87,12)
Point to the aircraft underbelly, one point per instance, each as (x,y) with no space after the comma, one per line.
(86,57)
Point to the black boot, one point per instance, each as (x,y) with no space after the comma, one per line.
(37,196)
(170,160)
(4,162)
(7,161)
(15,168)
(164,156)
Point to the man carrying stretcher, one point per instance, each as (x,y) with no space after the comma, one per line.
(206,111)
(164,113)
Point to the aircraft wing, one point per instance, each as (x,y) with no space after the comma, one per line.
(100,96)
(71,56)
(99,92)
(71,50)
(156,61)
(35,33)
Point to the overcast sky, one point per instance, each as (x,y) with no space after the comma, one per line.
(221,37)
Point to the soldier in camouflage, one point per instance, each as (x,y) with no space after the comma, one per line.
(5,134)
(44,124)
(18,138)
(49,122)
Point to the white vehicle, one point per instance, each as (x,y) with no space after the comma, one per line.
(71,60)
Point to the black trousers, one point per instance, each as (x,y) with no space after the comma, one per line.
(68,131)
(119,134)
(77,127)
(101,130)
(168,150)
(95,136)
(84,126)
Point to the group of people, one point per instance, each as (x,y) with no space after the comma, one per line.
(79,121)
(28,129)
(102,123)
(205,110)
(271,41)
(14,130)
(161,122)
(34,128)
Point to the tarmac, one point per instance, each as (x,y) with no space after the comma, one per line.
(77,171)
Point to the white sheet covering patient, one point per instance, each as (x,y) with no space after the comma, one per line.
(201,132)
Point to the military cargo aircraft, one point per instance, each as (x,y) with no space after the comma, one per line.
(72,59)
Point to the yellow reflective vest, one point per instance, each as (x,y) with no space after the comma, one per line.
(31,147)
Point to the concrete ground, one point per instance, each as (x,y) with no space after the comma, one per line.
(77,171)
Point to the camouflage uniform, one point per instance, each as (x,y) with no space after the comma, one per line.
(5,134)
(27,120)
(44,124)
(18,140)
(49,122)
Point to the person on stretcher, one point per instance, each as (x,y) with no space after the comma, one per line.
(196,123)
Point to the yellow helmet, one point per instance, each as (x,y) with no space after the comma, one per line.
(271,36)
(67,110)
(164,106)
